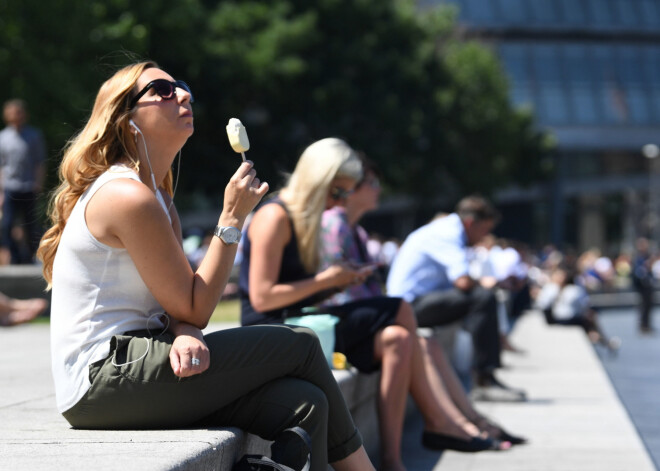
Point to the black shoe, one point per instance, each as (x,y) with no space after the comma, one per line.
(497,394)
(493,381)
(490,389)
(439,442)
(507,437)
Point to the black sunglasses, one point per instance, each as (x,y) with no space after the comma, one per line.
(337,193)
(164,89)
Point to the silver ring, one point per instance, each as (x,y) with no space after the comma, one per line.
(194,361)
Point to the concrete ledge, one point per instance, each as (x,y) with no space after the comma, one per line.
(574,418)
(360,392)
(23,281)
(33,435)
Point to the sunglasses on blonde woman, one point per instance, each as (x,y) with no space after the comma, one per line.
(164,89)
(338,193)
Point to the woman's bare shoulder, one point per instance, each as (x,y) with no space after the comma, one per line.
(269,222)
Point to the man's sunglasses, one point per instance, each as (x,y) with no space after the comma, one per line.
(164,89)
(339,193)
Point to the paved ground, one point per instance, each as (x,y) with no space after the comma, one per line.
(34,436)
(574,418)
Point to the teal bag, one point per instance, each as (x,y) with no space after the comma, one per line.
(324,327)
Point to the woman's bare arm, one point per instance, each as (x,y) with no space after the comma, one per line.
(269,233)
(125,213)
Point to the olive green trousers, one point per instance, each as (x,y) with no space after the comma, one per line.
(262,379)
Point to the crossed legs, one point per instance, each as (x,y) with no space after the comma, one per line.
(263,379)
(405,369)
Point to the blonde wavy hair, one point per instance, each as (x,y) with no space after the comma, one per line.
(105,140)
(306,191)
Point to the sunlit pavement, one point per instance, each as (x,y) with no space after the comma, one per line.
(574,417)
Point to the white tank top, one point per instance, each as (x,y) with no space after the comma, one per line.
(97,293)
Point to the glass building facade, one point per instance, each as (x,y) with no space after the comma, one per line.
(590,71)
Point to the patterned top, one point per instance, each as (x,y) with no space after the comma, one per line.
(340,243)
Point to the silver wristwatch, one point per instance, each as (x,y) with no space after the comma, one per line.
(230,235)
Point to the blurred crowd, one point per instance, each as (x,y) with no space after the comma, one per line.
(522,276)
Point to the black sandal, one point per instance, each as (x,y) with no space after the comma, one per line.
(439,442)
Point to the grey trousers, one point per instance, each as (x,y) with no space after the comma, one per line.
(262,379)
(476,309)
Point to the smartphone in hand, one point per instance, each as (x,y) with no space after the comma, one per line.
(368,267)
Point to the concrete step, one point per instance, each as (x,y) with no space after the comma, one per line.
(33,435)
(23,281)
(573,418)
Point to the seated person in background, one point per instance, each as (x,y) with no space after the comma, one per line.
(499,265)
(566,303)
(343,240)
(279,278)
(18,311)
(431,271)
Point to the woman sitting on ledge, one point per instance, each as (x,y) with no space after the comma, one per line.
(127,309)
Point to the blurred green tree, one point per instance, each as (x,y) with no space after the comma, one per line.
(395,82)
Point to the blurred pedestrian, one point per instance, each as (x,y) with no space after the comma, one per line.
(22,156)
(642,277)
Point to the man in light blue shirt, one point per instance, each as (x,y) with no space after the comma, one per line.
(431,271)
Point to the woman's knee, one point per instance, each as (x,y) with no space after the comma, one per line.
(313,408)
(308,397)
(288,402)
(398,338)
(307,337)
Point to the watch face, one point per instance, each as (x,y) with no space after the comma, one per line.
(231,235)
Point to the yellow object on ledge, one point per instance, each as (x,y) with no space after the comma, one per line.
(339,361)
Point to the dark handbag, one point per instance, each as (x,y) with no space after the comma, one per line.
(259,463)
(292,446)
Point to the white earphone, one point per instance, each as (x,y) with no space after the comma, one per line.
(146,153)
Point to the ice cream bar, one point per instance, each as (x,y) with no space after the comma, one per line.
(238,136)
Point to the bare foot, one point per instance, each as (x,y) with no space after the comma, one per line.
(23,310)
